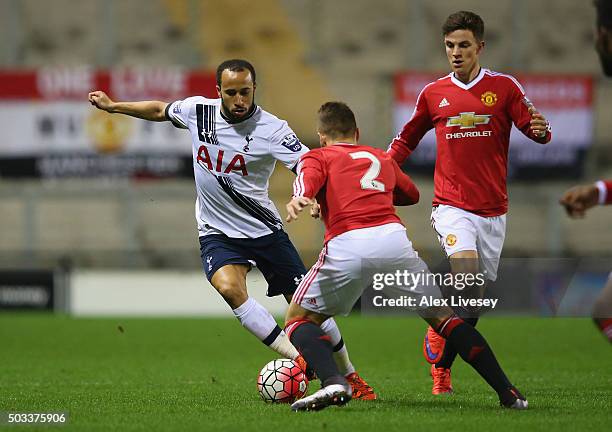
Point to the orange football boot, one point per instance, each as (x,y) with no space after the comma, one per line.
(310,374)
(361,389)
(433,346)
(301,362)
(441,380)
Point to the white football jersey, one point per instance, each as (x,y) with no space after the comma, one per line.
(232,164)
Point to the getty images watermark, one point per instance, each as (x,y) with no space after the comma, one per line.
(543,287)
(411,290)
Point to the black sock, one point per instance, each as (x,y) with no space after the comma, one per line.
(315,346)
(475,350)
(449,354)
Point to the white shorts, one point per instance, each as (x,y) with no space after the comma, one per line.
(459,230)
(337,280)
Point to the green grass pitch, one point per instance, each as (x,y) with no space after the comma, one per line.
(199,374)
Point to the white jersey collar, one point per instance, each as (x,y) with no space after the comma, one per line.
(472,83)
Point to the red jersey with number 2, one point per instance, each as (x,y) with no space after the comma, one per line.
(356,186)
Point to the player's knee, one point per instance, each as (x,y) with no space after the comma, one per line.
(233,291)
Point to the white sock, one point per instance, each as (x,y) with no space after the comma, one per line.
(341,356)
(256,319)
(284,347)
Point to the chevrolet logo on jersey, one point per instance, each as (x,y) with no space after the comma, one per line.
(468,120)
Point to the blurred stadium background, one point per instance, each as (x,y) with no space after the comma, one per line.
(99,203)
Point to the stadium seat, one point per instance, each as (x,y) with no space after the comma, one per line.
(267,38)
(52,36)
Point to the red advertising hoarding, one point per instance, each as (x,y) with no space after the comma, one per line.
(50,130)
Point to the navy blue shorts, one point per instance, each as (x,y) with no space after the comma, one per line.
(274,255)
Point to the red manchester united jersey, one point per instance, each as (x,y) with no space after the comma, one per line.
(472,123)
(355,185)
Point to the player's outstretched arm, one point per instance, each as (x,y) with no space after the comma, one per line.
(310,178)
(578,199)
(412,132)
(147,110)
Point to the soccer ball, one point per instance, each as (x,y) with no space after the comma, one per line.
(282,381)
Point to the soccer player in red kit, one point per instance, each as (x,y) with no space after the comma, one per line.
(472,110)
(578,199)
(357,187)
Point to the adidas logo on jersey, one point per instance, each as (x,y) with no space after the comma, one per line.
(443,103)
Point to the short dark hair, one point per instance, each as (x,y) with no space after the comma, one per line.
(464,20)
(235,65)
(336,120)
(604,13)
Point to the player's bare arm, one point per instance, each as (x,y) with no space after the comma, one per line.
(295,207)
(147,110)
(539,124)
(578,199)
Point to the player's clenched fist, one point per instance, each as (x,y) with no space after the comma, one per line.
(579,199)
(539,124)
(100,100)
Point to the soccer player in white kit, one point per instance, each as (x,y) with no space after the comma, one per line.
(357,186)
(235,148)
(472,110)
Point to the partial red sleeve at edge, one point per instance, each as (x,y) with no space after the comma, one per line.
(398,149)
(412,132)
(405,192)
(311,176)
